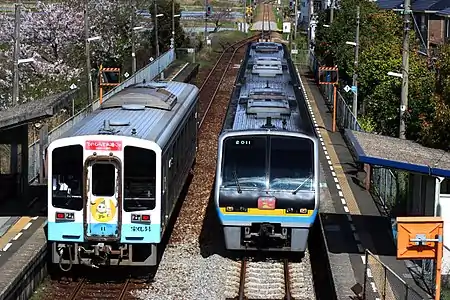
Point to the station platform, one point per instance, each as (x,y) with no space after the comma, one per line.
(23,242)
(351,220)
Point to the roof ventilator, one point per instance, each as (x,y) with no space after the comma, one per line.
(106,129)
(143,95)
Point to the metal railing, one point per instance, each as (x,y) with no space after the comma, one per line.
(383,181)
(388,284)
(149,72)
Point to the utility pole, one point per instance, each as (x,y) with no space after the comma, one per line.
(172,42)
(88,51)
(405,67)
(15,93)
(133,41)
(332,11)
(206,21)
(296,19)
(244,25)
(355,70)
(156,30)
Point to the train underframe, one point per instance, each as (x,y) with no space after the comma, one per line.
(266,237)
(96,255)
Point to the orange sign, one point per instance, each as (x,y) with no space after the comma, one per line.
(418,236)
(266,202)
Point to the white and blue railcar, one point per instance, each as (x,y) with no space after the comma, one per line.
(267,174)
(114,179)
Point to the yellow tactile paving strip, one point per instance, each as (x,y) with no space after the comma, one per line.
(347,198)
(15,232)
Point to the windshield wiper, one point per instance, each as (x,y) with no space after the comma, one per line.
(238,186)
(301,184)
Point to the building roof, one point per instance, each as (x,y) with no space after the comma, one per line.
(395,153)
(34,110)
(389,4)
(416,5)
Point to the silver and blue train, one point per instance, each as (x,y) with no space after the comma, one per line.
(114,179)
(267,175)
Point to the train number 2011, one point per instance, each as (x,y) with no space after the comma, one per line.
(140,228)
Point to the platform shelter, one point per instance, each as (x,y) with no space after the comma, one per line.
(14,137)
(429,174)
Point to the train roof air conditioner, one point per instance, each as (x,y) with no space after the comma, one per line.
(273,108)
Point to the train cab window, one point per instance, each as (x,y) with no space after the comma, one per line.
(291,164)
(139,179)
(67,177)
(103,179)
(244,162)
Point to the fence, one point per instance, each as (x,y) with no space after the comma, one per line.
(389,186)
(148,73)
(388,284)
(384,181)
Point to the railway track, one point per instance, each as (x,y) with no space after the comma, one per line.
(214,96)
(213,102)
(278,279)
(212,83)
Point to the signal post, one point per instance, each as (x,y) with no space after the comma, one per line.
(330,76)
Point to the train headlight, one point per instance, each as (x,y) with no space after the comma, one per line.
(303,210)
(229,209)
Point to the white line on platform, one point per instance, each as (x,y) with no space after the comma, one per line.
(27,226)
(343,201)
(335,179)
(34,218)
(341,194)
(17,236)
(333,173)
(7,246)
(346,209)
(363,258)
(338,187)
(356,236)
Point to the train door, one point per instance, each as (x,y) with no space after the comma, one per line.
(103,209)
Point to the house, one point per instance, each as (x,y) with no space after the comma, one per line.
(431,20)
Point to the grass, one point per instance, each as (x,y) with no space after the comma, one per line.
(208,55)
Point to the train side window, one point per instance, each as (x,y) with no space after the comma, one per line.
(139,179)
(67,177)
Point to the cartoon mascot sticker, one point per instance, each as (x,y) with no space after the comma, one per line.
(103,210)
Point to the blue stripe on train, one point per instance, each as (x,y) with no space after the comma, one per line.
(271,219)
(141,234)
(130,234)
(73,232)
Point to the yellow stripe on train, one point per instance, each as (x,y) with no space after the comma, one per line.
(266,212)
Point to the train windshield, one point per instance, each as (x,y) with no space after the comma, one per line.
(291,164)
(67,177)
(139,179)
(277,163)
(244,162)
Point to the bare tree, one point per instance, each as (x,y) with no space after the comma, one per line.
(222,14)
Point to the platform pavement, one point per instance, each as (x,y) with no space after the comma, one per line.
(370,229)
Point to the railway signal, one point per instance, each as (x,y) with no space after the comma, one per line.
(208,10)
(291,4)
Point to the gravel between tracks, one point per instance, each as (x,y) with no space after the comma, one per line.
(184,271)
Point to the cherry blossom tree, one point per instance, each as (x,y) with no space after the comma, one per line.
(48,34)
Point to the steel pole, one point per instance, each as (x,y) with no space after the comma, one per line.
(355,71)
(15,92)
(88,52)
(133,41)
(405,68)
(172,44)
